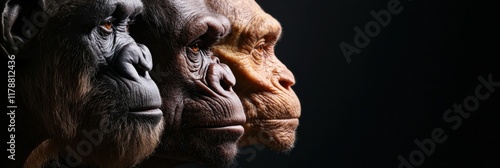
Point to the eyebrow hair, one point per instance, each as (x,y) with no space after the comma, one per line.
(264,25)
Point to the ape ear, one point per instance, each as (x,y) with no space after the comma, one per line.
(20,22)
(10,12)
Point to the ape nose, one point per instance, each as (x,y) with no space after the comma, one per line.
(287,82)
(133,62)
(219,77)
(285,78)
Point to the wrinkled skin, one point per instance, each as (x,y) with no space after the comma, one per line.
(264,84)
(203,114)
(83,87)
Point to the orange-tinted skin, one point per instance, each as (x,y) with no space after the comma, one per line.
(263,82)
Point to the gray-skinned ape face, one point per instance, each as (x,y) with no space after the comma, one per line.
(82,82)
(203,115)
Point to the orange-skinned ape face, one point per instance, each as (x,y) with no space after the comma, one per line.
(263,82)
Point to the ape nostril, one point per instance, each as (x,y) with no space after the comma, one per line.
(286,83)
(146,61)
(141,71)
(284,76)
(226,84)
(216,59)
(133,61)
(220,78)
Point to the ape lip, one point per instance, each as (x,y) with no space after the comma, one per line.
(156,111)
(278,119)
(232,124)
(237,129)
(226,126)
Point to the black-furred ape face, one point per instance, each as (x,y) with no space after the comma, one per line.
(203,115)
(85,81)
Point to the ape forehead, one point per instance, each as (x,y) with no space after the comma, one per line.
(185,4)
(188,9)
(261,25)
(177,19)
(99,9)
(236,10)
(251,20)
(130,7)
(181,7)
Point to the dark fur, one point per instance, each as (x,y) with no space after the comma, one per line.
(66,87)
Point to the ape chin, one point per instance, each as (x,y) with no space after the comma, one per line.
(85,94)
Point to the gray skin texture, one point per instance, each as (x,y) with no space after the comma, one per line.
(203,115)
(82,84)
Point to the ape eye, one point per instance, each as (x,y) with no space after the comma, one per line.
(195,47)
(108,25)
(260,48)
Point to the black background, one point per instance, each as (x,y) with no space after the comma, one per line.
(368,112)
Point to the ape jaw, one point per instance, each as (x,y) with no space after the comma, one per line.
(206,130)
(278,134)
(272,118)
